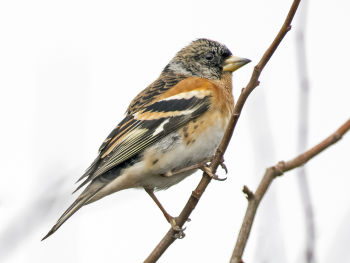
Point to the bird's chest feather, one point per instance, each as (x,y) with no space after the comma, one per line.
(193,143)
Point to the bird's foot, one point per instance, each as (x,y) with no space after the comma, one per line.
(178,231)
(208,171)
(223,165)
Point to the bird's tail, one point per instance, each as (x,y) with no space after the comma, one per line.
(82,200)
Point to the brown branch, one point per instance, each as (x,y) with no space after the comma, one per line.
(270,174)
(168,239)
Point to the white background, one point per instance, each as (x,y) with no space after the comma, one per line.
(68,70)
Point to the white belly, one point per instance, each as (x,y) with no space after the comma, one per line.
(171,154)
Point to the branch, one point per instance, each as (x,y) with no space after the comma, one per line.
(169,238)
(270,174)
(303,112)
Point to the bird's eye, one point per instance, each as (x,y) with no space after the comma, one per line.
(209,56)
(226,54)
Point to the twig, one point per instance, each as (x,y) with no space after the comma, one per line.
(270,174)
(168,239)
(303,108)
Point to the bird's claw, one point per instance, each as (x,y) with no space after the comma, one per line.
(178,231)
(223,165)
(208,171)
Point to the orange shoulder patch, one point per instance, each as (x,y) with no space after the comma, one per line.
(189,87)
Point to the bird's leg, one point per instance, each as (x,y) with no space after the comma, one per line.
(186,169)
(168,217)
(203,166)
(172,221)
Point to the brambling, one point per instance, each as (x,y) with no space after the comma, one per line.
(171,129)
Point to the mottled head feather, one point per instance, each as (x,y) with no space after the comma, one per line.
(202,58)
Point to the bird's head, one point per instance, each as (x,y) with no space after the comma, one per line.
(205,58)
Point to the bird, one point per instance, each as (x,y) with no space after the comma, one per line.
(170,130)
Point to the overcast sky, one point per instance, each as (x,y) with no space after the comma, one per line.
(68,70)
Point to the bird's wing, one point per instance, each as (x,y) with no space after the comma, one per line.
(162,84)
(166,113)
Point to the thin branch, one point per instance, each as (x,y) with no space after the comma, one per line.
(168,239)
(303,110)
(270,174)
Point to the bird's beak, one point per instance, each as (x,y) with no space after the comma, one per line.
(233,63)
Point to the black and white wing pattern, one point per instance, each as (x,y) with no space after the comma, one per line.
(151,120)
